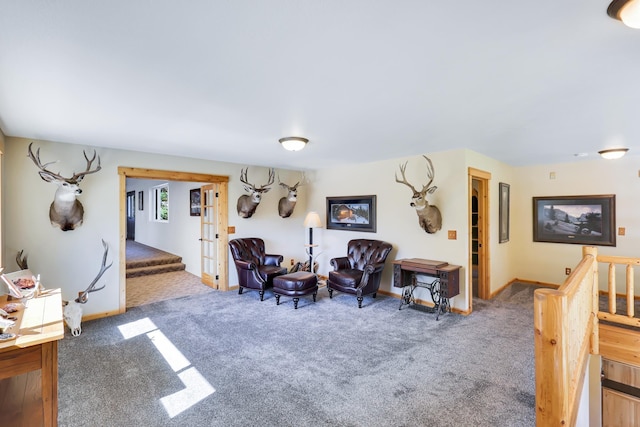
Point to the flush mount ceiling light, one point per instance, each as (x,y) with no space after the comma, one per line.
(613,153)
(627,11)
(294,143)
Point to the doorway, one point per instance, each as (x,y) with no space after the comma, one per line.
(478,236)
(221,240)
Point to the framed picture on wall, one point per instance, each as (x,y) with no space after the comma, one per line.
(194,202)
(356,213)
(584,220)
(140,200)
(504,212)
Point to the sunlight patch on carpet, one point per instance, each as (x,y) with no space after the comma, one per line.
(196,388)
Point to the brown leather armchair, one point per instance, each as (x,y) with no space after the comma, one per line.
(256,269)
(359,273)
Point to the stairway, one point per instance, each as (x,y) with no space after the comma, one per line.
(148,261)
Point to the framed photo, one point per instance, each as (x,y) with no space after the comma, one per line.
(194,202)
(140,200)
(356,213)
(504,212)
(584,220)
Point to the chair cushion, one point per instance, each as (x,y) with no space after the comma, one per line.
(348,278)
(268,272)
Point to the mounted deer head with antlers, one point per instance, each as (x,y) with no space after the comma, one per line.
(72,311)
(288,203)
(247,203)
(65,211)
(429,216)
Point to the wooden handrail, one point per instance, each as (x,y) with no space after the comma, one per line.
(565,325)
(567,330)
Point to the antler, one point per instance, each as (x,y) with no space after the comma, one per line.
(243,177)
(404,179)
(43,168)
(294,186)
(272,174)
(21,260)
(84,296)
(77,177)
(430,175)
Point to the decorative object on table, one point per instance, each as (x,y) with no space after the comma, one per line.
(22,284)
(311,221)
(356,213)
(359,272)
(66,211)
(72,311)
(288,203)
(429,216)
(256,269)
(21,260)
(584,220)
(504,213)
(194,202)
(247,203)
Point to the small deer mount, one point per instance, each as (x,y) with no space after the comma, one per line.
(66,211)
(72,311)
(247,203)
(287,204)
(429,216)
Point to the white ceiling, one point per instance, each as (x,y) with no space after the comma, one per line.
(522,82)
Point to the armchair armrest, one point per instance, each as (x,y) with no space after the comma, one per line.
(270,259)
(244,265)
(370,269)
(341,263)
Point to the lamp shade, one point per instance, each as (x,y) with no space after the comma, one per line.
(613,153)
(312,220)
(293,143)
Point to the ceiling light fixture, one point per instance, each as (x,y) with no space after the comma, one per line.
(294,143)
(627,11)
(613,153)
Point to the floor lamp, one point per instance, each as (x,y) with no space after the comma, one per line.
(311,221)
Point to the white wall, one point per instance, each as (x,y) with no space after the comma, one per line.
(70,260)
(546,262)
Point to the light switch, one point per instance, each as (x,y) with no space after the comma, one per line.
(453,235)
(621,231)
(552,175)
(231,229)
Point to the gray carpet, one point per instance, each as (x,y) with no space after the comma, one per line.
(252,363)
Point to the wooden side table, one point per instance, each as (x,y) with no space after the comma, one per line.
(38,329)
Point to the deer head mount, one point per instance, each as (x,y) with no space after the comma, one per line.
(288,203)
(21,260)
(247,203)
(429,216)
(66,211)
(72,311)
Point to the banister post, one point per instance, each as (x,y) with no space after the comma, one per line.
(595,298)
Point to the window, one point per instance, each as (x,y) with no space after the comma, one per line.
(160,203)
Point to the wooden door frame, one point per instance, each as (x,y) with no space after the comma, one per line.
(140,173)
(484,273)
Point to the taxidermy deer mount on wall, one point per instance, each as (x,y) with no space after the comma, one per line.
(288,203)
(247,203)
(429,216)
(65,211)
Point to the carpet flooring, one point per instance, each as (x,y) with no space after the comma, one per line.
(223,359)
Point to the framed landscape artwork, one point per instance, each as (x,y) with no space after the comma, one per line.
(584,220)
(194,202)
(357,213)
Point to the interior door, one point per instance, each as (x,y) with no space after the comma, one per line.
(209,234)
(131,215)
(479,234)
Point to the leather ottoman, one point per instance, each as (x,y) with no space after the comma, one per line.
(295,285)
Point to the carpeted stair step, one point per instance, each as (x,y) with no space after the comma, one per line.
(148,270)
(169,259)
